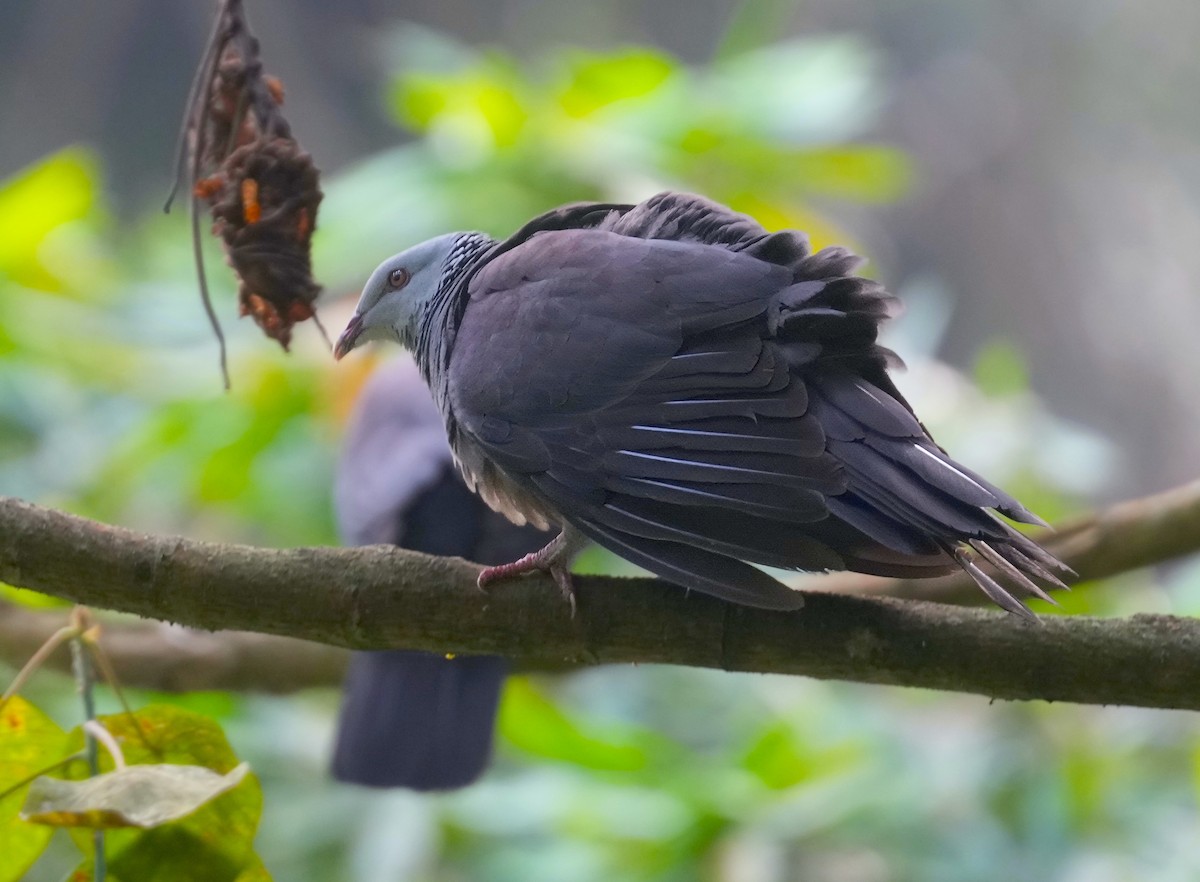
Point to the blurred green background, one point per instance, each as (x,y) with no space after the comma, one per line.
(110,406)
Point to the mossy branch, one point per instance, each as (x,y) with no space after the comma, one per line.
(380,597)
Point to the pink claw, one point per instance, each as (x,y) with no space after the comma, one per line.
(539,562)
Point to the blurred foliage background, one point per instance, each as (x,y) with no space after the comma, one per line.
(110,406)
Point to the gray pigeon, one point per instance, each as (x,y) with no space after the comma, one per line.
(672,382)
(415,719)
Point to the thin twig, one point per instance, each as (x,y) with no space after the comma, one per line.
(102,735)
(193,125)
(205,298)
(320,327)
(89,638)
(194,106)
(83,681)
(52,643)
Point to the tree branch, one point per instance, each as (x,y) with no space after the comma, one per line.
(380,597)
(154,655)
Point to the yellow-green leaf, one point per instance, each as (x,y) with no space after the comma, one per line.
(485,101)
(213,843)
(255,871)
(600,80)
(29,742)
(776,761)
(33,204)
(30,599)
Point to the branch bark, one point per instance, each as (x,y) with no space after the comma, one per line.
(155,655)
(380,597)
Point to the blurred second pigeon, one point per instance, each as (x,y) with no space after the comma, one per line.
(415,719)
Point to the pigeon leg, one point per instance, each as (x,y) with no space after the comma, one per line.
(555,559)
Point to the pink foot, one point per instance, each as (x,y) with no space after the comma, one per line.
(554,559)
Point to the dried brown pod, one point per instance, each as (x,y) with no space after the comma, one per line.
(239,155)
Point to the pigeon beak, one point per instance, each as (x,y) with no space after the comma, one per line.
(349,336)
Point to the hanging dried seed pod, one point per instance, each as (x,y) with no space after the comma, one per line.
(239,155)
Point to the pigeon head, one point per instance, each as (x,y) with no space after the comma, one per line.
(400,291)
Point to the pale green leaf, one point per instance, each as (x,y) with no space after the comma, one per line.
(137,796)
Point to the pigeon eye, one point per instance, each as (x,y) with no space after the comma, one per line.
(398,278)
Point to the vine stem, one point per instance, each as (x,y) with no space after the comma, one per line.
(81,666)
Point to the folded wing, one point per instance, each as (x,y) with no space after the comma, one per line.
(700,396)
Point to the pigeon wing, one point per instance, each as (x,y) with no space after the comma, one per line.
(624,386)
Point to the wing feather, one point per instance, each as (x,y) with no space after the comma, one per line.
(695,568)
(805,437)
(787,503)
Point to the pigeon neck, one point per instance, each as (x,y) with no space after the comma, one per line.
(438,325)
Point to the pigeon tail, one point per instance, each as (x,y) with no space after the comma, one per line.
(417,720)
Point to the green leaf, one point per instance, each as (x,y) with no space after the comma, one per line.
(30,599)
(780,759)
(254,872)
(1000,370)
(33,204)
(419,99)
(776,761)
(484,102)
(533,723)
(29,742)
(212,844)
(138,796)
(597,81)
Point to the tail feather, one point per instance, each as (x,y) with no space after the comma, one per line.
(1042,572)
(998,594)
(417,720)
(1011,569)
